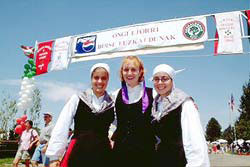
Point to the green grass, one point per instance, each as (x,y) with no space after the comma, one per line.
(6,161)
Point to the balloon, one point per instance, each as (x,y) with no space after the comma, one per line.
(24,79)
(26,71)
(27,66)
(29,75)
(31,61)
(23,126)
(24,97)
(24,117)
(20,106)
(33,73)
(28,91)
(18,129)
(18,121)
(25,82)
(33,68)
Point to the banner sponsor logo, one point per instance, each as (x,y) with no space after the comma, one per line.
(194,30)
(86,44)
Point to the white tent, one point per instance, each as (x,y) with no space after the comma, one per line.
(240,141)
(222,141)
(215,142)
(247,141)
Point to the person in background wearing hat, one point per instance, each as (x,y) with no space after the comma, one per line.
(28,138)
(176,123)
(92,112)
(39,154)
(133,138)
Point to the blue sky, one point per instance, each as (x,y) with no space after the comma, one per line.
(210,80)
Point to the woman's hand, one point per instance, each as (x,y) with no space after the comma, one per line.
(111,143)
(55,163)
(44,148)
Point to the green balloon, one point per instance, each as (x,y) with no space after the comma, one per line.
(33,73)
(33,68)
(29,75)
(27,66)
(26,71)
(31,61)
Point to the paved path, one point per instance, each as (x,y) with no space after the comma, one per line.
(229,160)
(216,160)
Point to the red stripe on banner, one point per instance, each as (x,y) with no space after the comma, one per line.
(248,17)
(43,57)
(216,41)
(248,21)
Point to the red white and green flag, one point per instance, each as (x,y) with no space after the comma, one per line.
(43,57)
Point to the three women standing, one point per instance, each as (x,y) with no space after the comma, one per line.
(171,116)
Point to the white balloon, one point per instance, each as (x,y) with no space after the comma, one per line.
(31,87)
(29,100)
(19,104)
(24,96)
(28,92)
(20,93)
(23,87)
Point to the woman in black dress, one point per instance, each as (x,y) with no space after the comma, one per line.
(92,112)
(133,138)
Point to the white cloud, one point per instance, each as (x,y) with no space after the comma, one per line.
(53,91)
(58,91)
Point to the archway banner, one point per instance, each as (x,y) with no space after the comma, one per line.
(181,34)
(165,36)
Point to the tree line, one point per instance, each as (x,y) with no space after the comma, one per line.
(8,112)
(240,128)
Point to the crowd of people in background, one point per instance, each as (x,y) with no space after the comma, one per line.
(235,148)
(30,138)
(134,126)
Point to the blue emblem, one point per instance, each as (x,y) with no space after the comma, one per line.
(86,44)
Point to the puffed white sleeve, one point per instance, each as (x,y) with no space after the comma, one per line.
(194,142)
(58,141)
(113,125)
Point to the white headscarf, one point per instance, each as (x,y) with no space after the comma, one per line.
(167,69)
(99,65)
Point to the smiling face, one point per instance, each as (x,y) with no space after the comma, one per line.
(131,73)
(163,84)
(99,81)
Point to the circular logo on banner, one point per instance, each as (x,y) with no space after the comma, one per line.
(193,30)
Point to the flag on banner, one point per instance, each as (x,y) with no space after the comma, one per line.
(216,42)
(229,33)
(43,57)
(60,56)
(231,102)
(248,20)
(28,51)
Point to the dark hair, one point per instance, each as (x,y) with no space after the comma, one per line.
(30,122)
